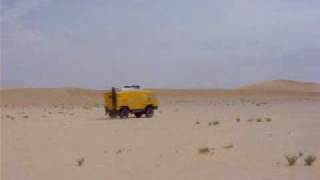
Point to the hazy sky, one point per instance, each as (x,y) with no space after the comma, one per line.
(165,43)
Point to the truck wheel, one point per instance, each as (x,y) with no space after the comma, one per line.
(124,113)
(149,112)
(112,114)
(138,114)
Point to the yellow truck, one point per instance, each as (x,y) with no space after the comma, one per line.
(130,99)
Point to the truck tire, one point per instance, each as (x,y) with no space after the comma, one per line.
(149,112)
(124,113)
(113,114)
(138,114)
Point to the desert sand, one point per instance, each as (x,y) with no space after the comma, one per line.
(241,134)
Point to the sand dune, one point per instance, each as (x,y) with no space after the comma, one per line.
(284,85)
(47,96)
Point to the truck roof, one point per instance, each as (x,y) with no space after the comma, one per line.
(132,90)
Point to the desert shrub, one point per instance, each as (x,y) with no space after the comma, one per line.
(204,150)
(229,146)
(215,123)
(120,150)
(300,154)
(197,123)
(309,160)
(291,159)
(26,117)
(80,161)
(238,119)
(268,119)
(10,117)
(259,120)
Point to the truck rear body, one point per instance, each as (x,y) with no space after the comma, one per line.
(135,100)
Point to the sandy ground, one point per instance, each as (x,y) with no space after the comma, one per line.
(80,142)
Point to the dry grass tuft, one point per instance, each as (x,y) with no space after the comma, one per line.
(213,123)
(309,160)
(121,150)
(291,159)
(10,117)
(204,150)
(80,161)
(268,119)
(229,146)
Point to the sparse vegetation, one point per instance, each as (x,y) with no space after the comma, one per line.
(204,150)
(229,146)
(259,120)
(268,119)
(119,151)
(10,117)
(197,123)
(309,160)
(80,161)
(291,159)
(238,120)
(213,123)
(26,116)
